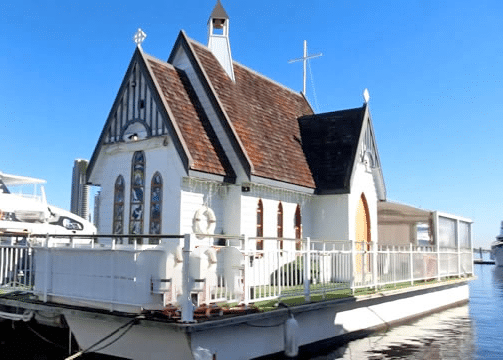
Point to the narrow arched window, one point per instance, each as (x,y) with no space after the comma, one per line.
(280,225)
(260,225)
(118,219)
(155,206)
(137,206)
(298,228)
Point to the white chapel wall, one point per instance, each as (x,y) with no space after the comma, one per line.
(329,218)
(115,160)
(271,197)
(222,198)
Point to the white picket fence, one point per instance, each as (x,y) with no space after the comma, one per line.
(280,268)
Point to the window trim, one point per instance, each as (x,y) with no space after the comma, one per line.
(135,163)
(260,225)
(119,188)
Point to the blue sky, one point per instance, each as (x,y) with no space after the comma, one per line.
(434,72)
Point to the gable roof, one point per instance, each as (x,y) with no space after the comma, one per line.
(203,145)
(182,115)
(330,141)
(261,115)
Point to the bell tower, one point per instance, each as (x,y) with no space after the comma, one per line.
(218,38)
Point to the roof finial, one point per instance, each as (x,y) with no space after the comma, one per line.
(139,37)
(366,96)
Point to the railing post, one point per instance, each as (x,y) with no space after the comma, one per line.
(186,303)
(375,250)
(352,266)
(438,262)
(46,272)
(394,264)
(247,272)
(307,271)
(411,257)
(459,248)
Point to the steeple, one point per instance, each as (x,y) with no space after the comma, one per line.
(218,38)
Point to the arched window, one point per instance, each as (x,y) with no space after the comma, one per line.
(280,225)
(118,219)
(260,225)
(155,206)
(137,190)
(298,228)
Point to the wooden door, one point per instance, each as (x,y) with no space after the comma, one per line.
(362,237)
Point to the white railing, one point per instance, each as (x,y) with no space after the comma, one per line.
(157,270)
(16,268)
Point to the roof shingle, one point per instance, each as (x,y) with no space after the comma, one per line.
(207,153)
(264,115)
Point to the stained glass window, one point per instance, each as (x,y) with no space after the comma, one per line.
(137,190)
(155,206)
(118,220)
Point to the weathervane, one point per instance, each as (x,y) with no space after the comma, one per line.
(139,37)
(304,60)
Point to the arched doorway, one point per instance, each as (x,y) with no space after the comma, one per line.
(362,236)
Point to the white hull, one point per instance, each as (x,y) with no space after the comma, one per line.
(497,252)
(261,334)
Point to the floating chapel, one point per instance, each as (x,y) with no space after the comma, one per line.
(202,144)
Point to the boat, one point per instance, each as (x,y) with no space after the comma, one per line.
(497,248)
(24,210)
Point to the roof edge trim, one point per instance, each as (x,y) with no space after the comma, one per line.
(170,115)
(184,41)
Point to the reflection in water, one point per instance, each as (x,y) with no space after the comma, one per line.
(472,331)
(445,335)
(498,278)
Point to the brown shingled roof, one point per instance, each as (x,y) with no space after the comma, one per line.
(197,133)
(264,115)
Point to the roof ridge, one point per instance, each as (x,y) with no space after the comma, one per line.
(161,62)
(251,70)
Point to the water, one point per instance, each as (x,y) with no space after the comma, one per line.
(471,331)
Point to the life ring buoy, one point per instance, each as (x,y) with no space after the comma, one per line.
(204,227)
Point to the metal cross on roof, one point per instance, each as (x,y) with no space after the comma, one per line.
(139,37)
(304,60)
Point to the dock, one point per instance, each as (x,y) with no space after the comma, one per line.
(483,262)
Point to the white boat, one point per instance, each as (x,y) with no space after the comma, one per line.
(24,210)
(497,248)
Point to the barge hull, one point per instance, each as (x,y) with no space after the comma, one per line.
(259,335)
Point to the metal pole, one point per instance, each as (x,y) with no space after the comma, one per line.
(186,303)
(46,275)
(411,257)
(305,63)
(375,254)
(307,270)
(459,247)
(247,274)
